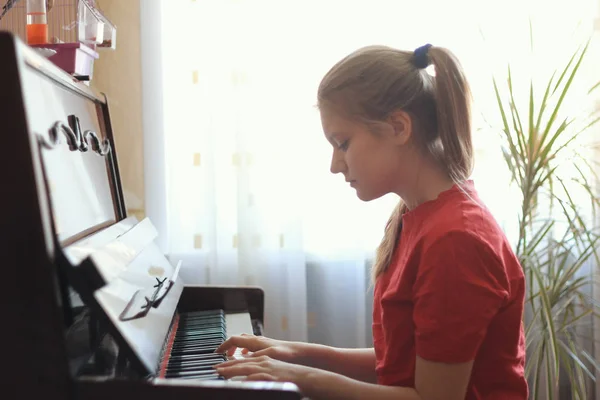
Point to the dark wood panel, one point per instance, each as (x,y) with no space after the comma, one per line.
(230,298)
(33,324)
(181,390)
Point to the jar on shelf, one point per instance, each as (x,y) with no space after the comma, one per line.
(37,22)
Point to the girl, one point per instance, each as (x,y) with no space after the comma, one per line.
(449,291)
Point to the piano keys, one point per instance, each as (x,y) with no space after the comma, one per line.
(94,309)
(192,344)
(190,352)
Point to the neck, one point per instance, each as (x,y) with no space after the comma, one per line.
(427,186)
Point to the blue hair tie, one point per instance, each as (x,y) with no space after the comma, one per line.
(420,56)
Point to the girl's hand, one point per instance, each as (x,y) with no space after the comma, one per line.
(263,368)
(261,346)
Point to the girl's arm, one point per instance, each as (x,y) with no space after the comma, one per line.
(433,381)
(358,364)
(354,363)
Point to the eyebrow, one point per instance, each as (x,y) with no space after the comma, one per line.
(334,135)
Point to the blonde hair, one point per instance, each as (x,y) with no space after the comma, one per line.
(374,81)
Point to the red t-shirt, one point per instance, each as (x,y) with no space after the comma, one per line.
(454,292)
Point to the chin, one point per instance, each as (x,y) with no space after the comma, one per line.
(365,196)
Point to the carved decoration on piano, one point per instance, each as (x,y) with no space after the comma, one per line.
(76,139)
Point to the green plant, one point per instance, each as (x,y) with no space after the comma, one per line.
(557,238)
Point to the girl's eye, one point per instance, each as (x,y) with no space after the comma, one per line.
(344,146)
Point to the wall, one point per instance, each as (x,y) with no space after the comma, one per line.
(118,74)
(61,16)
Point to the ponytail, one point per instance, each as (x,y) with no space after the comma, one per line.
(452,99)
(375,81)
(386,248)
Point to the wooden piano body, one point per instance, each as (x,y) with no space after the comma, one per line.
(88,301)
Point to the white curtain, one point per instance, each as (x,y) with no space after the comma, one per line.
(249,197)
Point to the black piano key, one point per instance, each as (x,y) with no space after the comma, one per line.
(194,351)
(198,340)
(211,321)
(205,361)
(205,371)
(200,326)
(196,343)
(216,320)
(179,374)
(192,354)
(208,321)
(182,331)
(214,338)
(202,323)
(201,340)
(192,347)
(187,343)
(191,373)
(205,312)
(177,364)
(191,367)
(197,320)
(206,377)
(200,336)
(193,362)
(199,332)
(218,357)
(195,374)
(183,317)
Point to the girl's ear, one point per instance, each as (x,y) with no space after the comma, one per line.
(401,121)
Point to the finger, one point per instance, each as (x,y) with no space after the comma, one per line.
(231,344)
(262,376)
(264,352)
(247,369)
(232,362)
(227,345)
(240,361)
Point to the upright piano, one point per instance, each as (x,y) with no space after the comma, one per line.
(91,308)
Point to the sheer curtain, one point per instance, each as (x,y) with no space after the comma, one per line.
(237,168)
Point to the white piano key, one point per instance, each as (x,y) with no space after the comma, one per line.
(238,323)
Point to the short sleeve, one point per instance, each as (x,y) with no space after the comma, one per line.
(460,286)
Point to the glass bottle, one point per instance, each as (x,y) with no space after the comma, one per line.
(37,22)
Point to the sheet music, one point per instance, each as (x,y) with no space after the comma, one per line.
(129,254)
